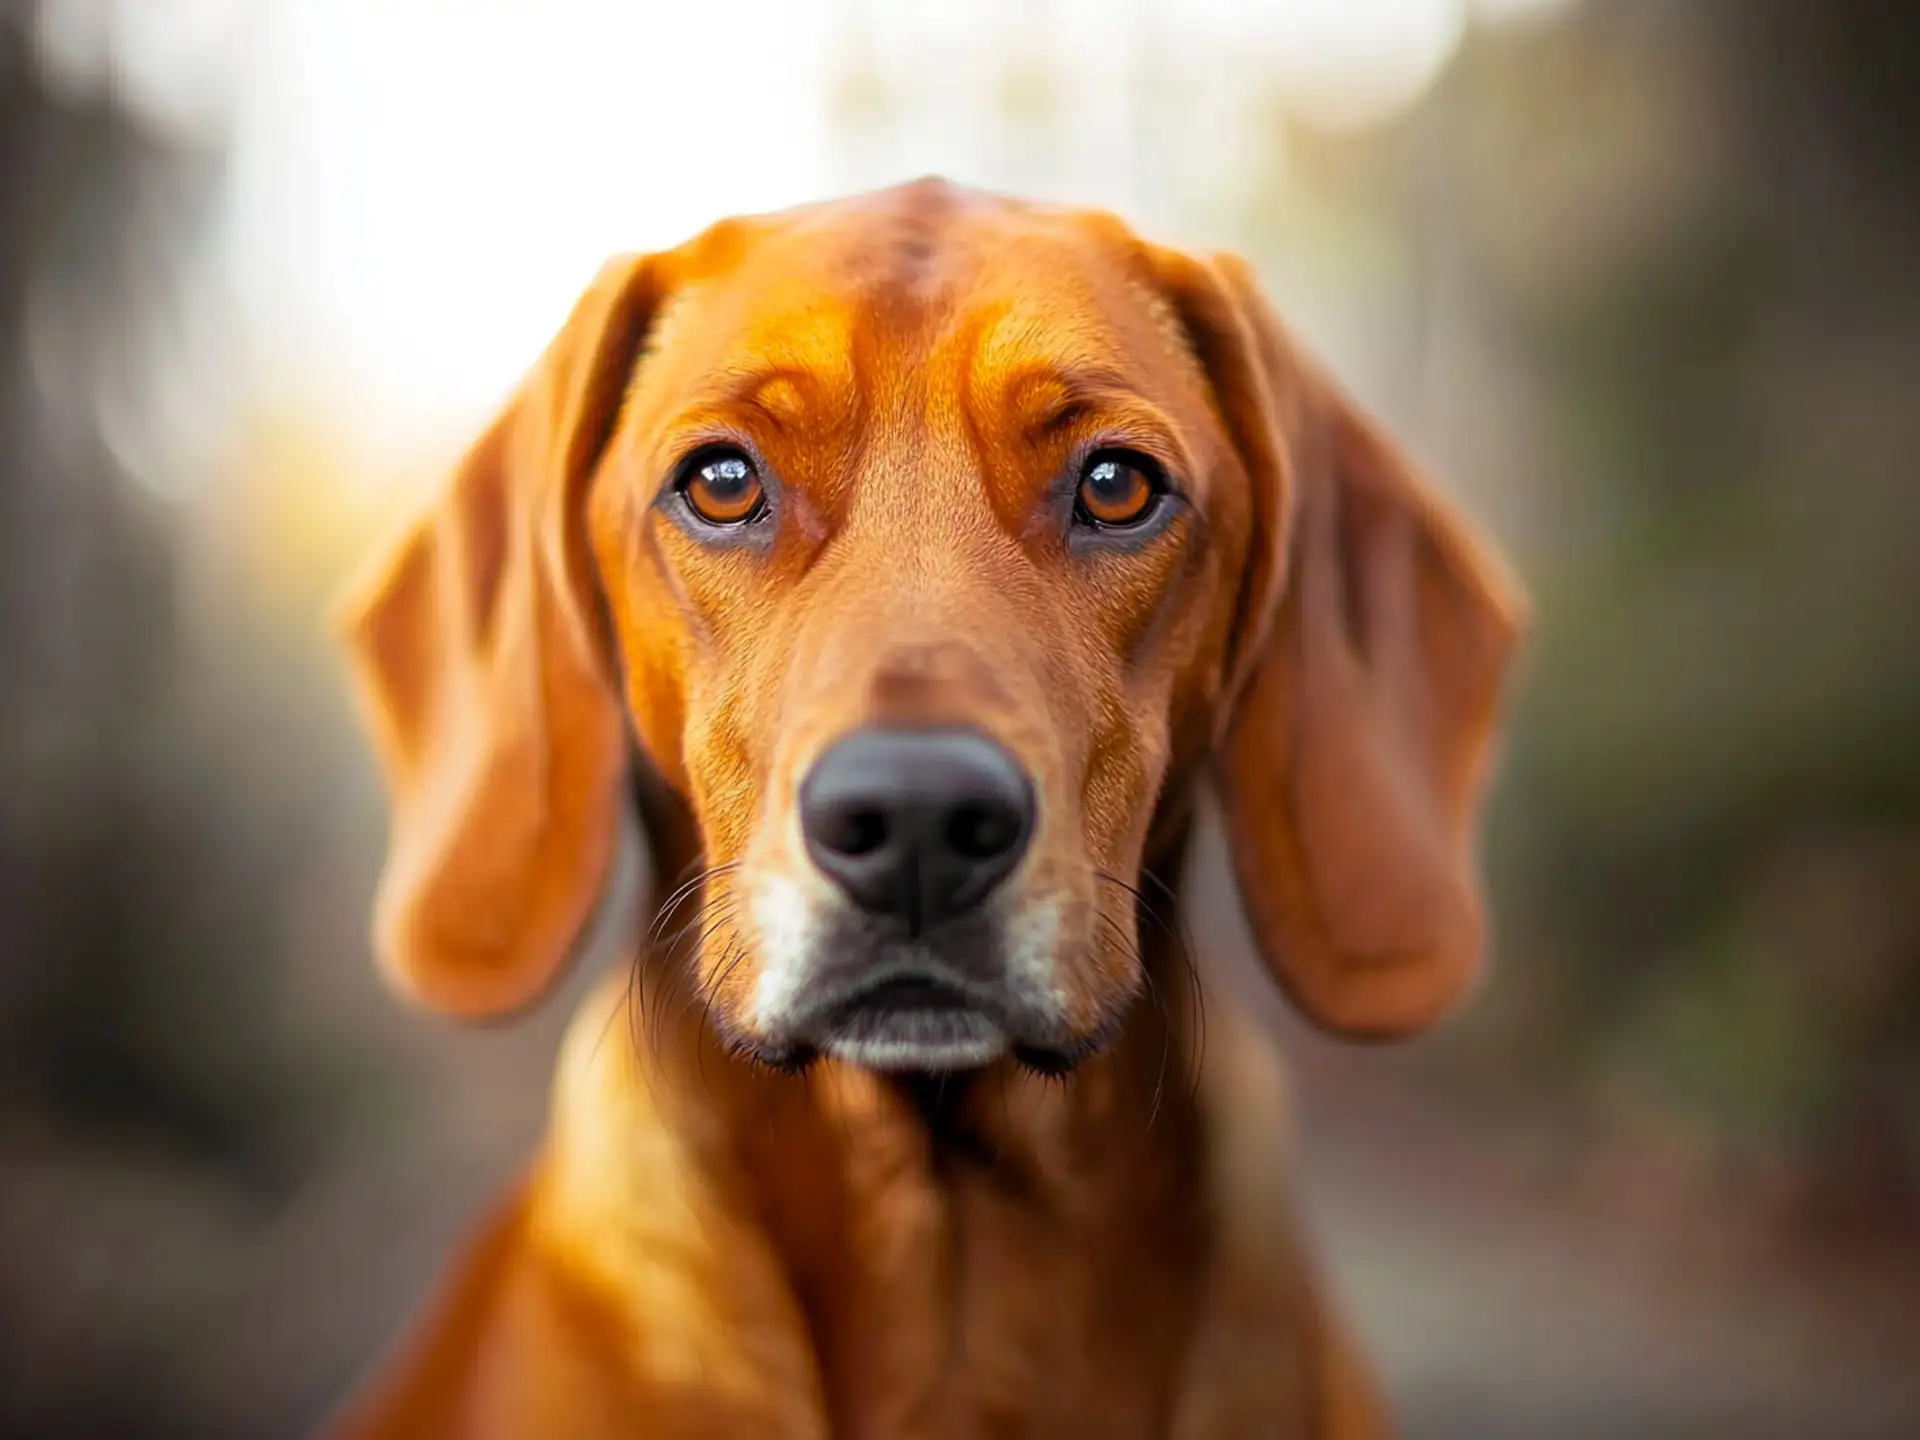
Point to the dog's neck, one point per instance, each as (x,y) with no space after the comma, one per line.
(924,1245)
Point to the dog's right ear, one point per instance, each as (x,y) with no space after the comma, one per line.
(487,681)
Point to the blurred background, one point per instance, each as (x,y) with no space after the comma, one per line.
(1636,277)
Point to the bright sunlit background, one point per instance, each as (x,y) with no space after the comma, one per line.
(413,192)
(1633,276)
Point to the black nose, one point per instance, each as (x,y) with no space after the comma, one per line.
(916,824)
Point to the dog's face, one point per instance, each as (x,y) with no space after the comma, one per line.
(913,508)
(938,543)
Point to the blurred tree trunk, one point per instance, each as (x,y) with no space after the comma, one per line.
(89,199)
(131,1016)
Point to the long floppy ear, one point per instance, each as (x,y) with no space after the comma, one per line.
(484,676)
(1363,691)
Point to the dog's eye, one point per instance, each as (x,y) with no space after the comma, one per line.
(1118,489)
(722,489)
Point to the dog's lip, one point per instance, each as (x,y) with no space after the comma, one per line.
(915,1017)
(904,989)
(922,1016)
(943,1041)
(906,993)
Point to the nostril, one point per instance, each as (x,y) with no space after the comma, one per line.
(854,831)
(981,832)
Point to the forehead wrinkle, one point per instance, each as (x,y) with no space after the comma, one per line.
(811,341)
(1081,371)
(786,395)
(1077,349)
(1045,400)
(951,373)
(1049,385)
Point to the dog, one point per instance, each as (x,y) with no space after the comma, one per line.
(913,565)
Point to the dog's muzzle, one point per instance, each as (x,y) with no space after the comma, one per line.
(916,830)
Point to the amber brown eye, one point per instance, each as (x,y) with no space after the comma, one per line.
(722,489)
(1117,490)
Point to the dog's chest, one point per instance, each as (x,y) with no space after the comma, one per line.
(963,1311)
(839,1280)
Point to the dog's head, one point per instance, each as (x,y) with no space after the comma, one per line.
(937,545)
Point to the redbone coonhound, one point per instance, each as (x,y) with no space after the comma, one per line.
(911,563)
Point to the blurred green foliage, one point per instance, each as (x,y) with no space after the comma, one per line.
(1707,838)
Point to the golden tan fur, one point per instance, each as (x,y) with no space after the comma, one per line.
(708,1245)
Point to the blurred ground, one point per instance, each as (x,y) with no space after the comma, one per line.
(1635,277)
(1461,1240)
(1468,1264)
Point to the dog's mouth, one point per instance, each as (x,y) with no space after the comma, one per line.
(916,1019)
(912,1023)
(907,995)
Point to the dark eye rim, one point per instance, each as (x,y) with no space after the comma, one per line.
(1087,531)
(751,528)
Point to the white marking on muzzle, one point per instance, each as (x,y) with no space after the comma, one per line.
(788,921)
(1032,934)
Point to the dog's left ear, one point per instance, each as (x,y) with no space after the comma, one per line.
(486,679)
(1362,689)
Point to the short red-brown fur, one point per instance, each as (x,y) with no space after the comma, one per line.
(706,1247)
